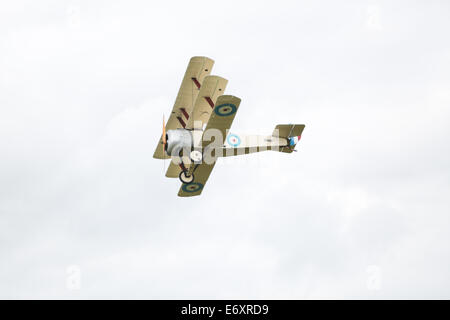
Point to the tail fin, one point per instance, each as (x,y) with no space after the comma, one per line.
(291,132)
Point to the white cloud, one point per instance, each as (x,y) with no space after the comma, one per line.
(84,86)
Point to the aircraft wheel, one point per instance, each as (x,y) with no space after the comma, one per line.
(186,179)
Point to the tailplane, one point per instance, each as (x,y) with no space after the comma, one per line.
(291,132)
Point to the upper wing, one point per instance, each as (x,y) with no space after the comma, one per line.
(212,88)
(221,119)
(197,70)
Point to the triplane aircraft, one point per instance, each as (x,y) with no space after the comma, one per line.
(196,134)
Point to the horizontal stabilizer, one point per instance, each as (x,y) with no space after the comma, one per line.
(292,132)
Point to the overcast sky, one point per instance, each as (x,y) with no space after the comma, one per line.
(360,211)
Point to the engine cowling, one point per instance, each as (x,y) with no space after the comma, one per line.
(178,140)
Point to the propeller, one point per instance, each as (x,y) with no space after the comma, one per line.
(164,141)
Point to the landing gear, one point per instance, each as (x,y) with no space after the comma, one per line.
(196,157)
(185,178)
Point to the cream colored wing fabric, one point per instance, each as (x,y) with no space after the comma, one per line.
(201,174)
(173,171)
(220,121)
(197,70)
(216,130)
(212,88)
(221,118)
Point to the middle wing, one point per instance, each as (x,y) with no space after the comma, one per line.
(212,88)
(173,170)
(198,69)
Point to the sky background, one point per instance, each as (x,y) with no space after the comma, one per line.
(360,211)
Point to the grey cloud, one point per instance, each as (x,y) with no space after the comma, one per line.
(83,89)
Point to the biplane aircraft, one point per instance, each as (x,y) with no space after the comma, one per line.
(197,132)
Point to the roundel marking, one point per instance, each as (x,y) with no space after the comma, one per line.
(226,109)
(233,140)
(192,187)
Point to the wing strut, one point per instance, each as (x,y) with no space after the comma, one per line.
(210,102)
(185,114)
(196,82)
(183,124)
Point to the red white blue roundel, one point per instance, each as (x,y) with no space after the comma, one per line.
(192,187)
(233,140)
(226,109)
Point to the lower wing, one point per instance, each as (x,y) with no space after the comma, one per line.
(218,124)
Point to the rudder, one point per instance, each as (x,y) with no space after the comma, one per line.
(291,132)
